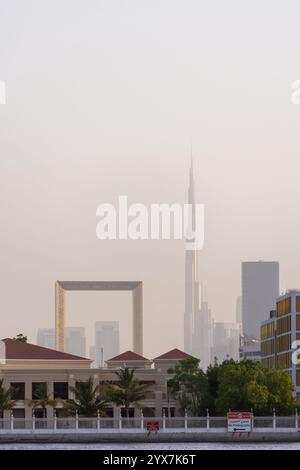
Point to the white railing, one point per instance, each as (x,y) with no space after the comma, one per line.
(141,424)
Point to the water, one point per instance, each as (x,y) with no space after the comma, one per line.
(158,446)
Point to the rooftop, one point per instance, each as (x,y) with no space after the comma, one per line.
(128,356)
(15,349)
(174,354)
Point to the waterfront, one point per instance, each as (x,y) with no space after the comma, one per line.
(163,446)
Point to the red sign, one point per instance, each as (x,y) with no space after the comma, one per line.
(152,426)
(239,415)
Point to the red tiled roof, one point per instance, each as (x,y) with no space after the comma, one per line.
(128,356)
(15,349)
(174,354)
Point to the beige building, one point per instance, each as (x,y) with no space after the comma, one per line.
(25,366)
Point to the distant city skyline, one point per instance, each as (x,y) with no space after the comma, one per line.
(75,339)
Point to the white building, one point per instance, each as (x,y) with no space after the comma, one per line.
(107,341)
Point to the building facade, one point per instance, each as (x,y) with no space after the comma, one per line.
(23,367)
(279,334)
(260,289)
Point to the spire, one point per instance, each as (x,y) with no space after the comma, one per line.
(191,193)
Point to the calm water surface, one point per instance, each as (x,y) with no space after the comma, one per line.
(170,446)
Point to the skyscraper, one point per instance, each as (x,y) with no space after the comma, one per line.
(107,341)
(46,338)
(197,315)
(260,289)
(75,341)
(191,276)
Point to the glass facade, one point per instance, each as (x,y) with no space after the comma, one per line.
(268,347)
(283,325)
(283,343)
(283,307)
(284,360)
(298,304)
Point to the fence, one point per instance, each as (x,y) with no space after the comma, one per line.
(139,424)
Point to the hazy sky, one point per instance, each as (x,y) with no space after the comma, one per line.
(103,98)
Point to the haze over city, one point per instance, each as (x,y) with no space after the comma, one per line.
(103,100)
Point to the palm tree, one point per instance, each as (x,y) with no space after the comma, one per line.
(129,390)
(43,399)
(88,399)
(6,403)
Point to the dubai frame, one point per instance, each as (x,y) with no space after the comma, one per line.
(136,287)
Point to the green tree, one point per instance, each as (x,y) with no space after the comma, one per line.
(280,387)
(43,399)
(248,385)
(21,337)
(189,385)
(88,399)
(129,390)
(6,403)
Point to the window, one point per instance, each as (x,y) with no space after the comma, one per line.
(17,390)
(284,361)
(283,325)
(166,411)
(130,412)
(268,330)
(39,390)
(267,347)
(283,343)
(61,390)
(284,307)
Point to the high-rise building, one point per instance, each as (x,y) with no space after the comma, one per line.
(260,288)
(279,336)
(75,341)
(107,341)
(226,338)
(202,339)
(46,338)
(197,315)
(191,277)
